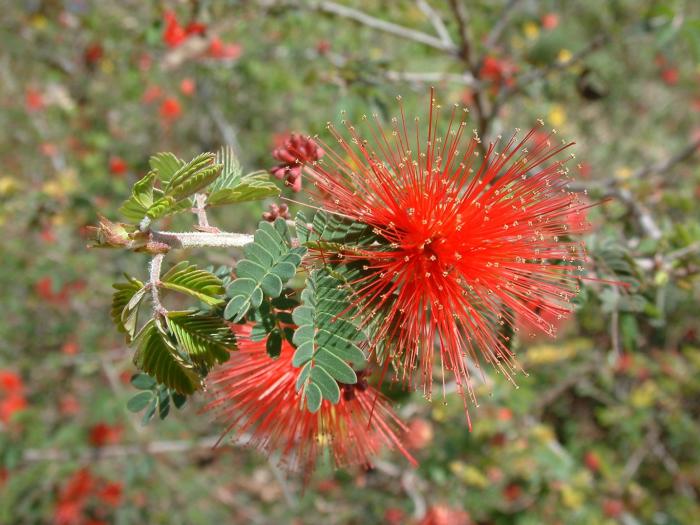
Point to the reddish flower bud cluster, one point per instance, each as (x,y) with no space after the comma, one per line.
(293,154)
(275,211)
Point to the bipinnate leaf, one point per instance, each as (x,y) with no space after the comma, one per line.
(249,188)
(206,339)
(188,279)
(230,170)
(159,358)
(137,205)
(269,262)
(125,303)
(326,338)
(165,164)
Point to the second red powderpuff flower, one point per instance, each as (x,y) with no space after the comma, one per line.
(256,397)
(468,238)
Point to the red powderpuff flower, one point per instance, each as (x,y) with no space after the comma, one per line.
(463,245)
(295,152)
(257,397)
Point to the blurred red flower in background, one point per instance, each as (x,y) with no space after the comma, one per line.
(498,72)
(217,49)
(111,494)
(80,492)
(443,515)
(117,165)
(256,397)
(188,86)
(93,54)
(103,434)
(295,152)
(173,33)
(33,100)
(550,20)
(170,109)
(73,497)
(152,94)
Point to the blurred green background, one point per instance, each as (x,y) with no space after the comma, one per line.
(603,429)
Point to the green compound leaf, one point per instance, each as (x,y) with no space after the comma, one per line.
(135,207)
(125,305)
(269,262)
(230,171)
(165,164)
(326,339)
(167,206)
(159,358)
(140,401)
(313,396)
(206,339)
(230,187)
(249,188)
(193,176)
(334,233)
(188,279)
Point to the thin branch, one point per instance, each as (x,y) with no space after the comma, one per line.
(639,455)
(461,18)
(120,451)
(419,77)
(691,249)
(202,239)
(382,25)
(539,73)
(663,166)
(611,188)
(497,30)
(436,21)
(554,393)
(228,132)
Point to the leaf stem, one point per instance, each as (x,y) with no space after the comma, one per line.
(202,239)
(154,282)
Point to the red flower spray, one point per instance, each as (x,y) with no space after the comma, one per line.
(256,395)
(467,240)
